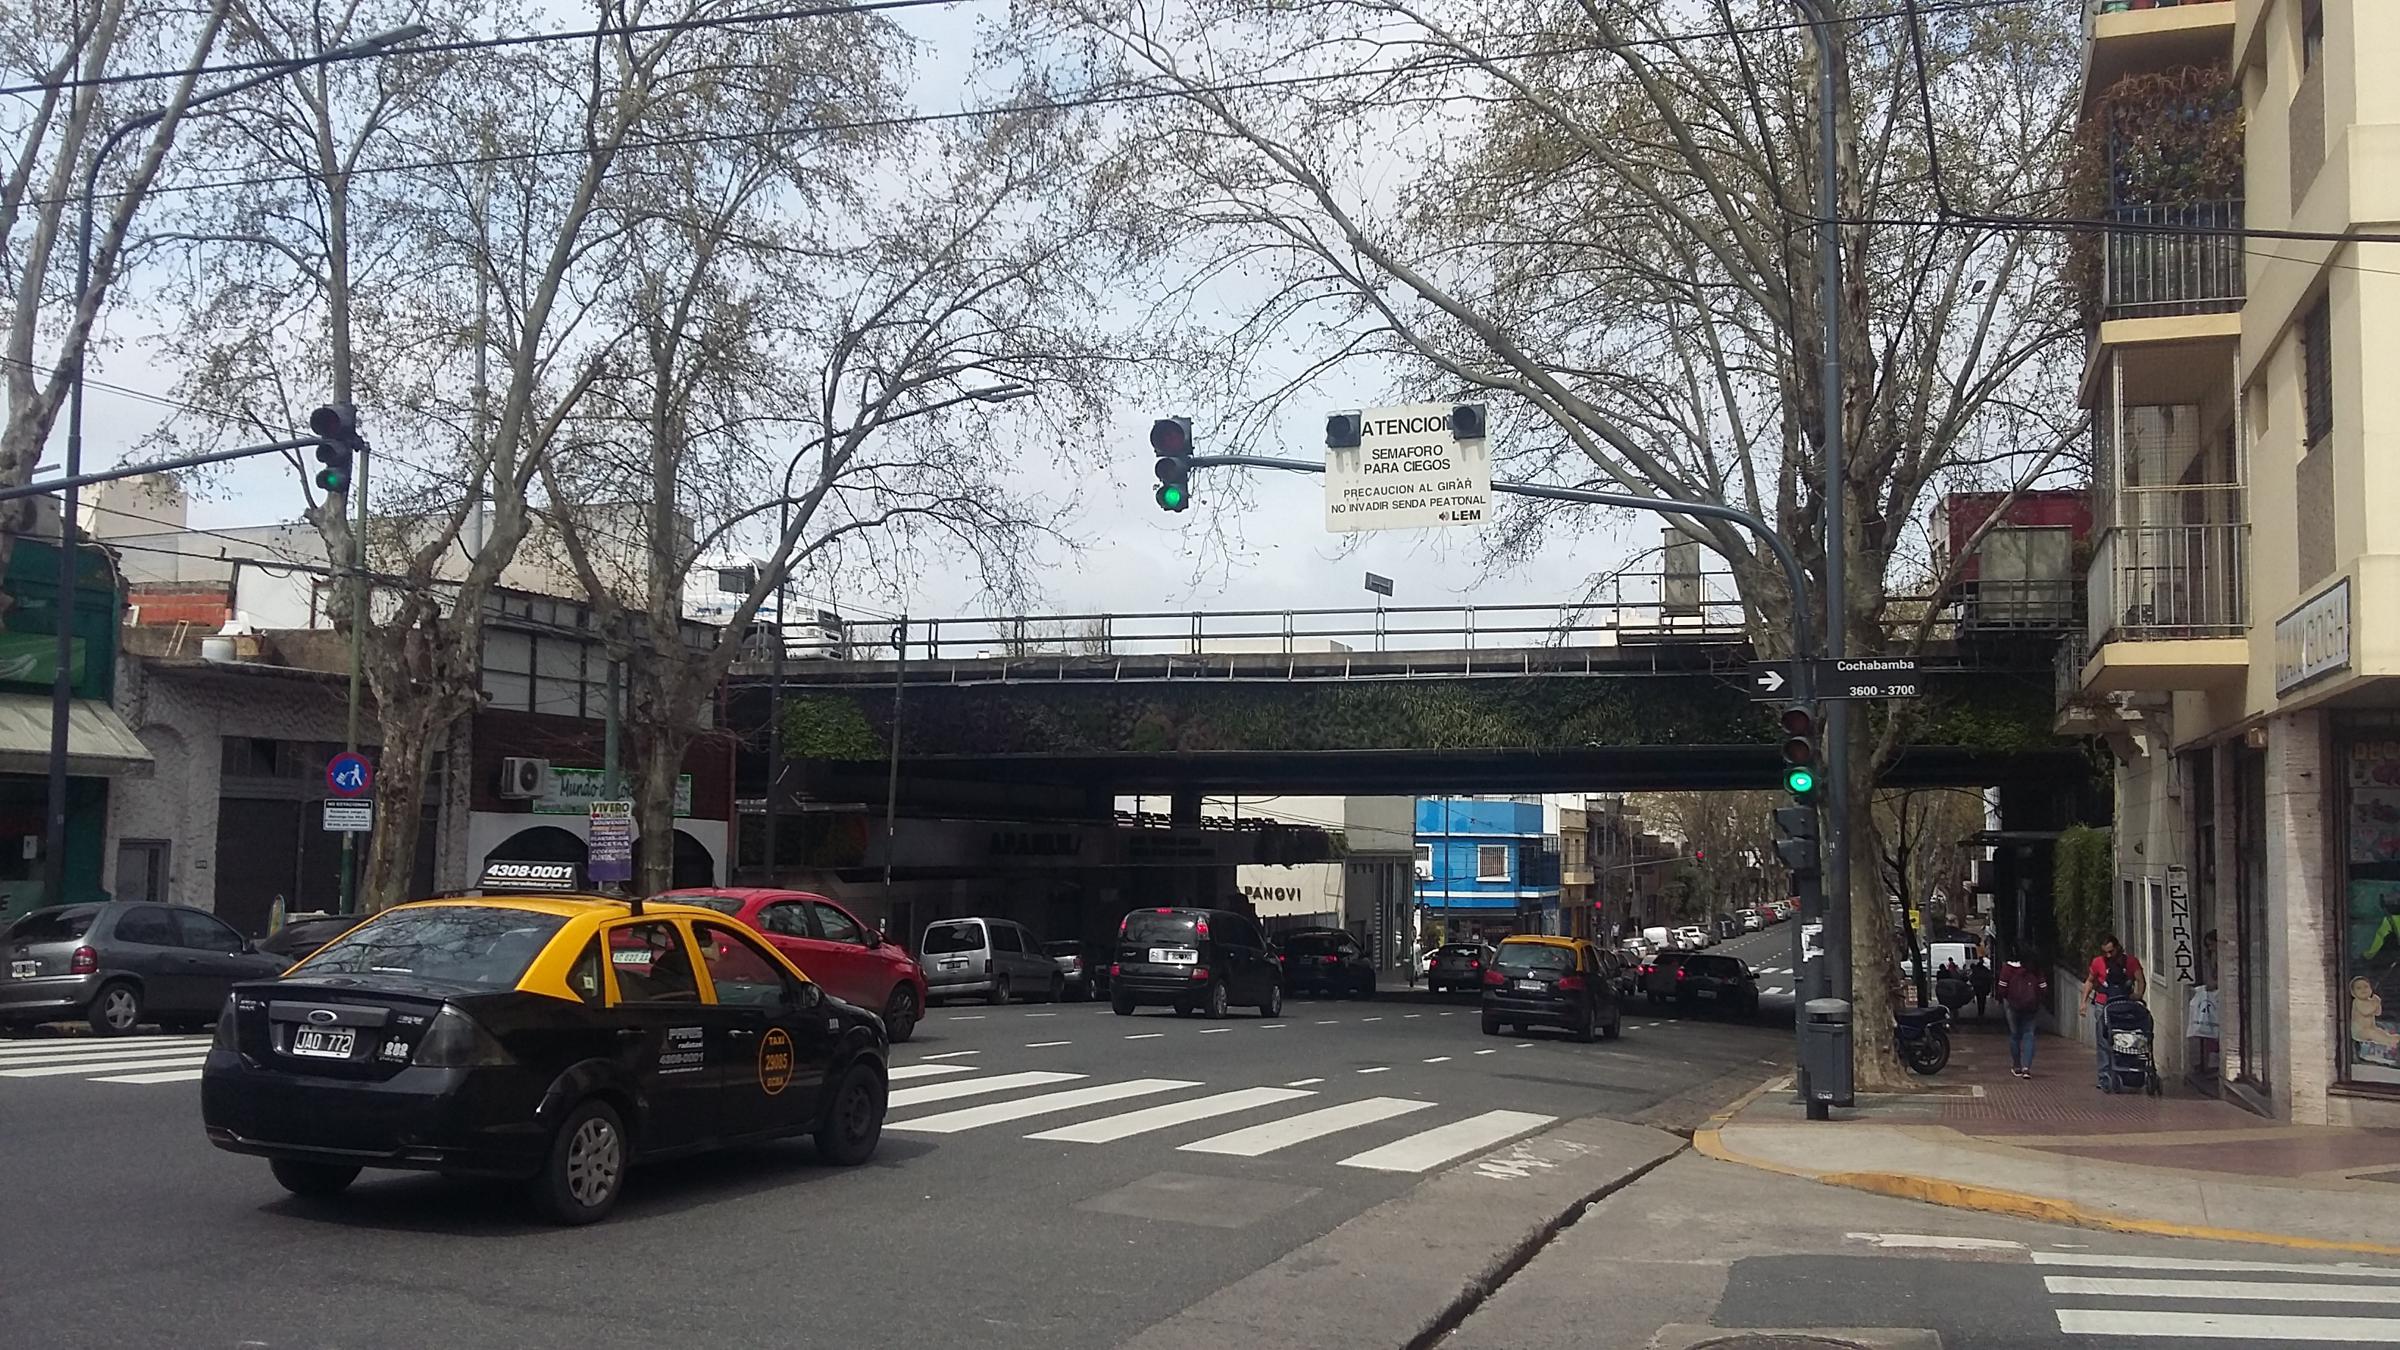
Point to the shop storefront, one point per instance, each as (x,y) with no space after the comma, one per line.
(2367,890)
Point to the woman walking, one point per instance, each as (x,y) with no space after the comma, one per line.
(2021,989)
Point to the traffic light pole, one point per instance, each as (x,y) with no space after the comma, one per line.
(1810,975)
(358,631)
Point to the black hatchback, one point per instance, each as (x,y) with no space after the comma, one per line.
(1326,961)
(1193,960)
(1553,982)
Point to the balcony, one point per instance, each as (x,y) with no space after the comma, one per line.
(2169,607)
(2134,37)
(2172,261)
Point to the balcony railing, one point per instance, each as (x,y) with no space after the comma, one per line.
(2154,582)
(2172,260)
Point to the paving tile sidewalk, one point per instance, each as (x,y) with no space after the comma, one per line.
(2055,1147)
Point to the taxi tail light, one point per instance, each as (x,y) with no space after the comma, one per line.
(85,961)
(457,1041)
(1570,984)
(1474,964)
(1491,977)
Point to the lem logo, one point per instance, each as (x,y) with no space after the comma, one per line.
(775,1061)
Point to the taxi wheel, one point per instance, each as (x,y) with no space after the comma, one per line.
(853,1119)
(900,1015)
(115,1010)
(1615,1027)
(585,1172)
(312,1179)
(1586,1028)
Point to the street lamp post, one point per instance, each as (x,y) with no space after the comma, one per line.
(998,393)
(62,688)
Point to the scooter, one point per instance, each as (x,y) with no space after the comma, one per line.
(1922,1035)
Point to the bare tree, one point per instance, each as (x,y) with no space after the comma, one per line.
(1596,215)
(803,340)
(53,136)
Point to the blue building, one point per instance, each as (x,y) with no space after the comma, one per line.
(1483,866)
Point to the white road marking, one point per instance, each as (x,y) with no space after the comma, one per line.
(104,1050)
(1330,1022)
(1370,1019)
(1041,1014)
(1272,1026)
(1299,1129)
(1303,1082)
(908,1071)
(2260,1291)
(49,1046)
(953,1054)
(1522,1045)
(1044,1045)
(1108,1129)
(1487,1052)
(186,1060)
(163,1076)
(1410,1016)
(2213,1266)
(1384,1069)
(1779,989)
(1439,1059)
(942,1092)
(1215,1031)
(2229,1326)
(1431,1148)
(1937,1241)
(972,1017)
(1145,1035)
(996,1113)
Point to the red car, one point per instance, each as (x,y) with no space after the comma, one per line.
(845,956)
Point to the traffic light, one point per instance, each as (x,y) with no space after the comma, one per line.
(1171,441)
(1796,840)
(1800,752)
(337,430)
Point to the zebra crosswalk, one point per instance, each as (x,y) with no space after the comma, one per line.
(139,1060)
(2112,1299)
(1170,1110)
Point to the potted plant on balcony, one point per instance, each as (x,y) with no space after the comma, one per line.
(2160,156)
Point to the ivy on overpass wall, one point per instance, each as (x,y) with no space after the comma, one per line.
(1988,713)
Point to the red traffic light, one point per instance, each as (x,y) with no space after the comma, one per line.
(1171,436)
(1798,721)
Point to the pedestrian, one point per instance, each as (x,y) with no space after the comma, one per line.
(2021,990)
(2115,975)
(1950,987)
(1979,977)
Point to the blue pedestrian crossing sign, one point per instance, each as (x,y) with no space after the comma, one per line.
(348,774)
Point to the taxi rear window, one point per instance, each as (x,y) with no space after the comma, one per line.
(1535,956)
(458,945)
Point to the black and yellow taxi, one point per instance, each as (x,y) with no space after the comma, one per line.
(553,1040)
(1535,980)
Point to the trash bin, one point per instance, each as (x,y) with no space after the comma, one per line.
(1825,1051)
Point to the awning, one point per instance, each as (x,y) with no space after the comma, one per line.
(99,743)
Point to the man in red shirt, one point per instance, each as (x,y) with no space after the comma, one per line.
(2115,973)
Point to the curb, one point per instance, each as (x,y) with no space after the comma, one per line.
(2018,1204)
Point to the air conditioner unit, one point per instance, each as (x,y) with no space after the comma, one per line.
(524,778)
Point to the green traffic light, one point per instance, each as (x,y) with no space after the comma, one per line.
(1800,782)
(333,480)
(1173,496)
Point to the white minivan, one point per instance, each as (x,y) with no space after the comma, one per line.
(992,959)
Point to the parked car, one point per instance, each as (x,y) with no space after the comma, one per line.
(1688,979)
(1552,982)
(1752,920)
(837,950)
(1457,965)
(118,964)
(304,933)
(551,1041)
(996,959)
(1194,960)
(1726,928)
(1326,961)
(1692,937)
(1084,964)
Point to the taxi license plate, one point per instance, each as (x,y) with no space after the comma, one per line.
(324,1042)
(24,970)
(1174,956)
(1531,986)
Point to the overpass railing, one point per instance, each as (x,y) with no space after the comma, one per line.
(1707,608)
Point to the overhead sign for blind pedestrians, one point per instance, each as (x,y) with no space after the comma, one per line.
(1418,466)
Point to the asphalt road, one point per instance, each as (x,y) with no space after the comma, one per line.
(1156,1186)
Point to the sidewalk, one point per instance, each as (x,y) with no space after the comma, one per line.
(2056,1149)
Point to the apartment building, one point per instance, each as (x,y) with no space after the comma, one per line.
(2243,628)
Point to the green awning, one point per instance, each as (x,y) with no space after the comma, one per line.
(99,743)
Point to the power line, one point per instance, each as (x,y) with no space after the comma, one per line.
(484,44)
(1094,98)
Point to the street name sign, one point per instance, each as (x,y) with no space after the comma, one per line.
(1860,677)
(349,815)
(609,847)
(1408,472)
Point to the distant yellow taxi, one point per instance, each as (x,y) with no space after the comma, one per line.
(552,1039)
(1533,980)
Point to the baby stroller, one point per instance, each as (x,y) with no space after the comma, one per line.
(2131,1067)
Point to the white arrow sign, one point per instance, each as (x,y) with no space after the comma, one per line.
(1769,680)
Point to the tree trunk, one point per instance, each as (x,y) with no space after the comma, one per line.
(410,733)
(657,744)
(1875,1060)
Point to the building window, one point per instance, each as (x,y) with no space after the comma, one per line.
(2316,372)
(1491,862)
(2369,901)
(1424,862)
(2312,34)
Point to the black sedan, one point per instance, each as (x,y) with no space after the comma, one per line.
(1689,979)
(548,1040)
(1326,961)
(1457,966)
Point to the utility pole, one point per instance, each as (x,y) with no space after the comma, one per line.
(891,786)
(359,601)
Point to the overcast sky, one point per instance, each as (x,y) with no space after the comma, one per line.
(1257,545)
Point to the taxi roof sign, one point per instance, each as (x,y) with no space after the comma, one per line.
(500,875)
